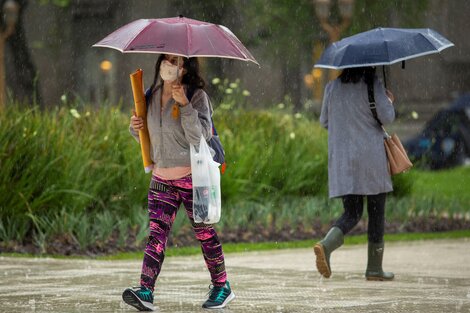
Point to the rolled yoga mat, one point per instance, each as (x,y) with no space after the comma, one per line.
(141,111)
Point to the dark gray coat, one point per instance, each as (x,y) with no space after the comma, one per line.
(357,162)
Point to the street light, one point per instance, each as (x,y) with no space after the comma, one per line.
(11,11)
(346,9)
(106,79)
(322,8)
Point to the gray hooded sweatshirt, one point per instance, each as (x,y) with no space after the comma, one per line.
(169,137)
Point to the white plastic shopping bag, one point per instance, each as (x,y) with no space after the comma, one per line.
(207,200)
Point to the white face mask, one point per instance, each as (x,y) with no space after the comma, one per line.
(168,71)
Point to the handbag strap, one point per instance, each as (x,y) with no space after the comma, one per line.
(373,106)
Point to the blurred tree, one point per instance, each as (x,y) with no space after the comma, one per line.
(286,31)
(212,11)
(369,14)
(23,80)
(282,29)
(8,19)
(59,3)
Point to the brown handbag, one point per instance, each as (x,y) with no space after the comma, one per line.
(398,161)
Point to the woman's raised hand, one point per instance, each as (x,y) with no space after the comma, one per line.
(179,95)
(137,123)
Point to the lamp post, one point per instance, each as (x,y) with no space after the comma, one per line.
(10,17)
(323,10)
(106,67)
(346,10)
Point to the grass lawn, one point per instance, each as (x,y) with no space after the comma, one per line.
(433,192)
(448,184)
(261,246)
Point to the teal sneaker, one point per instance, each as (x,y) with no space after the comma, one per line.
(219,297)
(140,298)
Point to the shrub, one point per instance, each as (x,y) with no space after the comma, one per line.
(78,173)
(271,154)
(84,161)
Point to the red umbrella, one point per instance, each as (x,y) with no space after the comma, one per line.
(179,36)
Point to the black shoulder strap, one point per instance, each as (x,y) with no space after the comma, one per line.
(372,105)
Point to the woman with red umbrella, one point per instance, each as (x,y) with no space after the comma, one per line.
(178,113)
(174,122)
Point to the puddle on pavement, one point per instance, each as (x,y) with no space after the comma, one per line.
(51,285)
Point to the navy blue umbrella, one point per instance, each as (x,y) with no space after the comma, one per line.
(382,46)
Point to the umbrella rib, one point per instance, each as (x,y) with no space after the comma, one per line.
(441,41)
(388,52)
(210,41)
(445,47)
(385,42)
(188,39)
(429,41)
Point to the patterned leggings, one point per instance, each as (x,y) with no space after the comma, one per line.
(164,199)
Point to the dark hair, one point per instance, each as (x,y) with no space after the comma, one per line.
(157,73)
(192,77)
(356,74)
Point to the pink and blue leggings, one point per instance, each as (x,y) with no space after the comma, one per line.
(164,199)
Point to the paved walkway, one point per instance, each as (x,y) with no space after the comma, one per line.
(431,276)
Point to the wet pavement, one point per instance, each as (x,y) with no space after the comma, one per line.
(431,276)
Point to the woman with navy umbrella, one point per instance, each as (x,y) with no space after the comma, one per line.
(357,163)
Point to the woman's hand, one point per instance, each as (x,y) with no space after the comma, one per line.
(179,95)
(390,95)
(137,123)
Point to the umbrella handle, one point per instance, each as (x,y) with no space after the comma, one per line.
(385,76)
(178,72)
(178,69)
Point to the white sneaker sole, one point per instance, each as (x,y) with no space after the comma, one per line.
(131,298)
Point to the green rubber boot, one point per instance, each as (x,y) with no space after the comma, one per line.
(323,249)
(374,263)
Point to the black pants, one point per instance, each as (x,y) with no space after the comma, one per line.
(353,207)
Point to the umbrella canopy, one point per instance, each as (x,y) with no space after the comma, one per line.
(382,46)
(179,36)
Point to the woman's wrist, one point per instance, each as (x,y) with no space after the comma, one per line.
(183,104)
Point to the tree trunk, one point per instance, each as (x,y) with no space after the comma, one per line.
(23,80)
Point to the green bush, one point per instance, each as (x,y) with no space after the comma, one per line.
(78,173)
(83,161)
(271,154)
(87,161)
